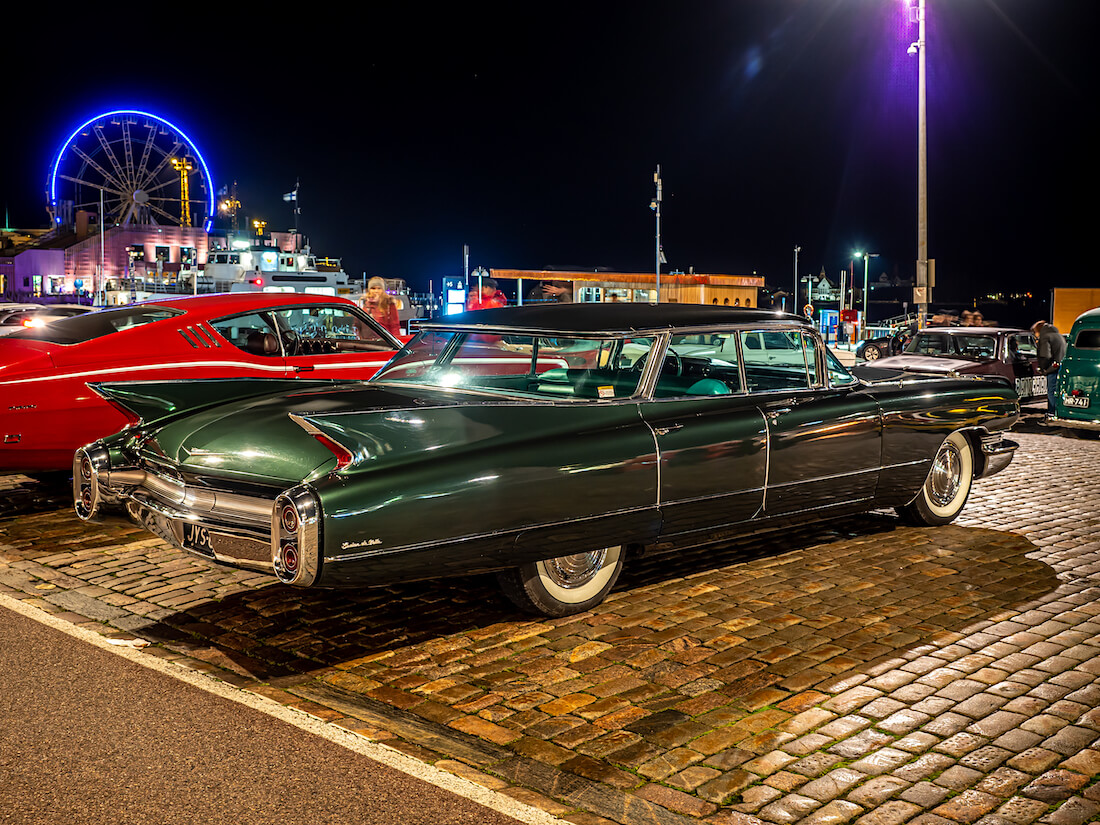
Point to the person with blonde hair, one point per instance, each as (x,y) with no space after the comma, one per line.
(381,307)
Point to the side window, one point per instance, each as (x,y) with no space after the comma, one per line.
(810,351)
(838,373)
(315,330)
(1087,339)
(1022,344)
(777,361)
(254,333)
(700,364)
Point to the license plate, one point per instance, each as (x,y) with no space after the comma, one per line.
(1075,400)
(197,538)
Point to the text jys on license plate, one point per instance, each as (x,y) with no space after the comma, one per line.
(1075,400)
(197,538)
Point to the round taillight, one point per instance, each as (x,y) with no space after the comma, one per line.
(86,468)
(86,500)
(290,518)
(290,558)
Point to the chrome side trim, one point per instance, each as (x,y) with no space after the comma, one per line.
(1054,421)
(474,536)
(187,336)
(835,476)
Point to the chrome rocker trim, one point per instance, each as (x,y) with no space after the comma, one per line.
(1054,421)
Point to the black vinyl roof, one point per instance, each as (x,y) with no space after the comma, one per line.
(612,317)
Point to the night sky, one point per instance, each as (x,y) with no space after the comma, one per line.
(531,131)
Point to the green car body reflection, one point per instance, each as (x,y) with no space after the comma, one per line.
(546,444)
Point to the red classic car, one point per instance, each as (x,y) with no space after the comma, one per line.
(47,409)
(1004,351)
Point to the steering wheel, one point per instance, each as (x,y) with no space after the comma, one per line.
(292,342)
(670,355)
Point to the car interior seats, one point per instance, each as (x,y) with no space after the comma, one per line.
(262,343)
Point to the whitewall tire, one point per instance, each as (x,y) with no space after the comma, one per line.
(564,585)
(944,493)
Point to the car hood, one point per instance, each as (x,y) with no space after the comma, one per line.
(929,363)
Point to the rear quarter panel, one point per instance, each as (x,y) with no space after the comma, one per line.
(480,487)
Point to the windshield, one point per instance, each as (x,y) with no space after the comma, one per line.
(527,365)
(943,343)
(77,329)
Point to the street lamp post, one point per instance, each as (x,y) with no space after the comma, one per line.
(655,205)
(924,288)
(794,301)
(866,265)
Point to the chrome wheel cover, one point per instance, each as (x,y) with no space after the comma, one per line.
(870,354)
(946,477)
(575,570)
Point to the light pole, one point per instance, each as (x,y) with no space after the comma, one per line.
(655,205)
(794,303)
(867,256)
(923,292)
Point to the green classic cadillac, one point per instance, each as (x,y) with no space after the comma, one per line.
(546,444)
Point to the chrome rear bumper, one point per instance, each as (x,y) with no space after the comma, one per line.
(280,536)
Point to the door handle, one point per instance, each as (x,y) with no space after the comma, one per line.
(668,429)
(303,368)
(774,414)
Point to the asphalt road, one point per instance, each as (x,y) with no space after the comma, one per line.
(87,736)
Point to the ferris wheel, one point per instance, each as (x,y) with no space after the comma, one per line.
(140,167)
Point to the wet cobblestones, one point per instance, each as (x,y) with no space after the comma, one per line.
(859,672)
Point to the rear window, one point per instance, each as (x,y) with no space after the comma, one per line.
(1088,339)
(91,325)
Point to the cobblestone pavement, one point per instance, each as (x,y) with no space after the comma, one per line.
(859,672)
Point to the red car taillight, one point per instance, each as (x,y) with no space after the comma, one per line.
(343,455)
(296,525)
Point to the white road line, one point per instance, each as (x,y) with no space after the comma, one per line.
(334,733)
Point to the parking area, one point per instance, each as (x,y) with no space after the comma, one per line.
(859,671)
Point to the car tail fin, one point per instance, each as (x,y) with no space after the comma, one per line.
(340,442)
(154,400)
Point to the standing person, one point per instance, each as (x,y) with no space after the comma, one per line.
(1051,349)
(381,307)
(559,291)
(488,296)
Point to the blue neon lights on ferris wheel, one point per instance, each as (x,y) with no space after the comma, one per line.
(172,126)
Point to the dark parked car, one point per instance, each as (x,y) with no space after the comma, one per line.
(882,346)
(1077,398)
(1009,353)
(546,444)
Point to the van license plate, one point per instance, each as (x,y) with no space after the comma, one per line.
(1075,400)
